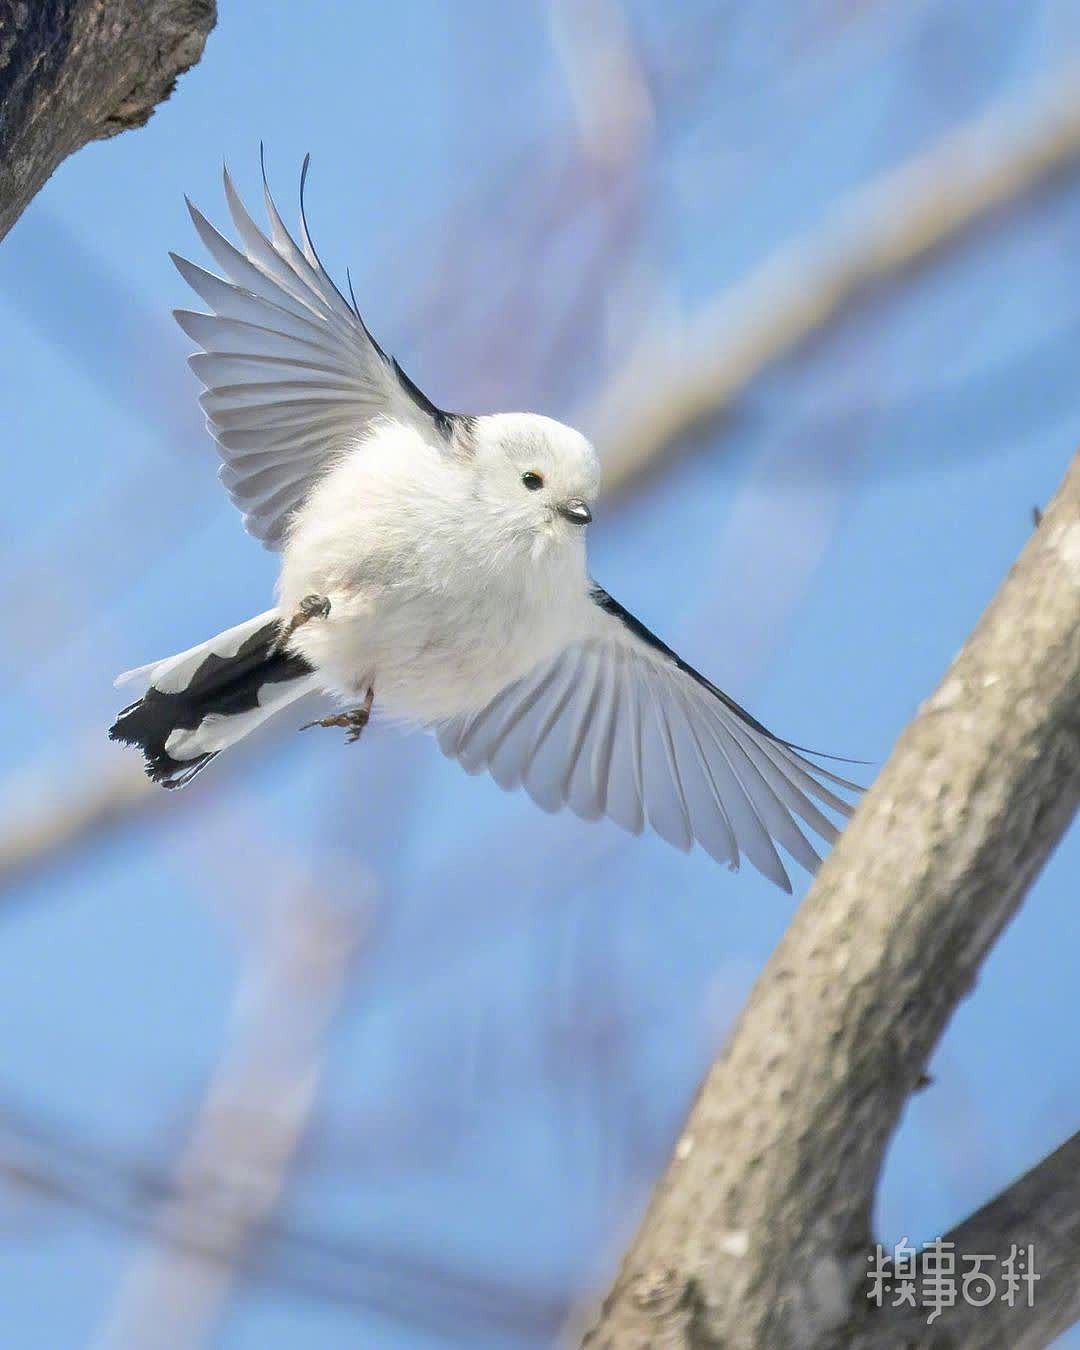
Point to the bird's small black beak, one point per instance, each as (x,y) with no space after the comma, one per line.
(575,509)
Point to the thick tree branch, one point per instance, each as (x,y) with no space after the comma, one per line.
(1041,1209)
(73,71)
(757,1235)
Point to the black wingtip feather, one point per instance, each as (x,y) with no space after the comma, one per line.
(352,295)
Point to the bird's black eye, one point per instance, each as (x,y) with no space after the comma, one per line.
(533,480)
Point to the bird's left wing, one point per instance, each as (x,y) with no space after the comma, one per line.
(618,725)
(291,373)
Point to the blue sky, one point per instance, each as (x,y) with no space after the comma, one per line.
(541,996)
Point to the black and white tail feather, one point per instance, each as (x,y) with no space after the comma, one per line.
(200,702)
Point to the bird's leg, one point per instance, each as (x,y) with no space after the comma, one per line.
(355,719)
(311,607)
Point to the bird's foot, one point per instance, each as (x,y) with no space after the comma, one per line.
(311,607)
(354,720)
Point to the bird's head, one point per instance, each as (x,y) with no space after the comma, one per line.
(536,477)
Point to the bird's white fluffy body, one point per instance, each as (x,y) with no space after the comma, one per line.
(447,579)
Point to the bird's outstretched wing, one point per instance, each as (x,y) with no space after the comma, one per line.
(291,373)
(617,725)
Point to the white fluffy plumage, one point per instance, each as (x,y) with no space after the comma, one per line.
(451,552)
(447,579)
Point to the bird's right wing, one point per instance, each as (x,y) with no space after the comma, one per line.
(291,373)
(618,725)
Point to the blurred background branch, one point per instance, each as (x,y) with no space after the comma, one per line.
(680,381)
(254,1117)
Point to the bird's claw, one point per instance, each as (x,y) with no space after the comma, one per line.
(354,720)
(311,607)
(314,607)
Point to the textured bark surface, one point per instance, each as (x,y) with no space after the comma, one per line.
(73,71)
(1041,1209)
(757,1236)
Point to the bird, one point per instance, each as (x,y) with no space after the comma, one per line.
(433,568)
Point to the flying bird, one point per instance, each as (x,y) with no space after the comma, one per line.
(433,566)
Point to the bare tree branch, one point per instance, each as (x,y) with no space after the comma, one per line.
(685,381)
(250,1127)
(757,1235)
(51,1166)
(53,820)
(1041,1209)
(73,71)
(611,98)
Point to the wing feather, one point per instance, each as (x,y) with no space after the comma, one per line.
(783,778)
(737,791)
(521,730)
(771,805)
(617,725)
(709,816)
(290,372)
(712,823)
(579,788)
(544,771)
(625,788)
(665,805)
(605,727)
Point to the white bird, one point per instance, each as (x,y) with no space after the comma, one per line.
(434,564)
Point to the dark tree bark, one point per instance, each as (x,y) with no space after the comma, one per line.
(758,1236)
(73,71)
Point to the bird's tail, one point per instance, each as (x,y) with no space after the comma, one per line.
(200,702)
